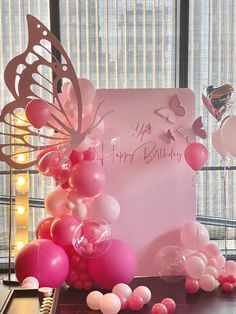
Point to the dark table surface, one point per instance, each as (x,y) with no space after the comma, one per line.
(71,301)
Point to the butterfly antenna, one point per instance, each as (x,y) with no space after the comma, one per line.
(94,124)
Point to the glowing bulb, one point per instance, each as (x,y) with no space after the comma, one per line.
(21,181)
(20,245)
(21,158)
(20,209)
(21,119)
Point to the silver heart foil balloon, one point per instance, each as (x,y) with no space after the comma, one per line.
(218,99)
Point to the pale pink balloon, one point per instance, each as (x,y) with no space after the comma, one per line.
(228,131)
(93,299)
(56,202)
(32,281)
(192,285)
(123,289)
(196,155)
(202,255)
(104,207)
(65,87)
(87,91)
(110,304)
(62,230)
(38,112)
(87,109)
(211,249)
(195,267)
(212,262)
(143,292)
(230,267)
(211,270)
(80,212)
(220,259)
(194,236)
(218,143)
(207,283)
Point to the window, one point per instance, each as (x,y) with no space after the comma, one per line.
(136,44)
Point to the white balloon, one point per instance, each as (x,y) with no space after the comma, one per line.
(93,300)
(104,207)
(110,304)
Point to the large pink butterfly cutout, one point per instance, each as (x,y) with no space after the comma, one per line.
(190,133)
(23,76)
(175,110)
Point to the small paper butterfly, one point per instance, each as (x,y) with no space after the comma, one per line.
(190,133)
(170,114)
(167,137)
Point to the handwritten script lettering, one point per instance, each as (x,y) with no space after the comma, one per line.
(140,130)
(147,152)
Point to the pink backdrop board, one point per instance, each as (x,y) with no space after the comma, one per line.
(147,172)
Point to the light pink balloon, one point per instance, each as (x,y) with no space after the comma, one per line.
(87,91)
(211,270)
(195,267)
(207,283)
(104,207)
(80,212)
(218,143)
(228,131)
(194,236)
(109,304)
(212,262)
(220,259)
(38,112)
(123,289)
(84,145)
(230,267)
(196,155)
(56,202)
(211,249)
(202,255)
(62,230)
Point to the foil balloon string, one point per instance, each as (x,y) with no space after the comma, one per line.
(218,99)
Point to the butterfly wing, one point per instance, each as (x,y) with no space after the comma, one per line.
(176,106)
(26,79)
(187,133)
(166,113)
(198,128)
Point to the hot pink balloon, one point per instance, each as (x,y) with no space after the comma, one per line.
(38,112)
(43,260)
(62,230)
(170,305)
(218,144)
(117,264)
(194,235)
(43,229)
(192,285)
(196,155)
(88,178)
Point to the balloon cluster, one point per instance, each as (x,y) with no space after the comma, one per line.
(198,259)
(74,243)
